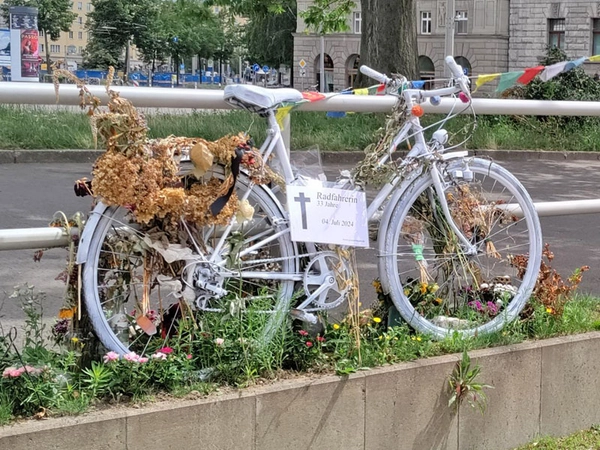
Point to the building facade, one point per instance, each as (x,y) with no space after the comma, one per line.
(69,47)
(491,36)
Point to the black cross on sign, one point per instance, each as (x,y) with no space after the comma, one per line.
(303,201)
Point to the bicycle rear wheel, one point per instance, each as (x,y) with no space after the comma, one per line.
(136,298)
(436,286)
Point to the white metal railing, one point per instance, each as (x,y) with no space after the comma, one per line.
(146,97)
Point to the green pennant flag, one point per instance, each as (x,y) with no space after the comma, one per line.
(508,79)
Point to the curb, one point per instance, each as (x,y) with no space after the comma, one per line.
(49,156)
(342,157)
(401,406)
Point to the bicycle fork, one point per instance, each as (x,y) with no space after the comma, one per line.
(469,248)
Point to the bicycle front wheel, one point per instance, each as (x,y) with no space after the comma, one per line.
(136,298)
(437,285)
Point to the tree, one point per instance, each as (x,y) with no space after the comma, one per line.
(389,32)
(388,42)
(185,25)
(269,31)
(54,16)
(113,24)
(269,36)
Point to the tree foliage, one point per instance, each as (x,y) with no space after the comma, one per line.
(158,28)
(269,37)
(328,16)
(54,16)
(112,24)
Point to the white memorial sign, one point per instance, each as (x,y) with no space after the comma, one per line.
(328,215)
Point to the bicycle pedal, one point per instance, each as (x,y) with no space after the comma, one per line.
(304,316)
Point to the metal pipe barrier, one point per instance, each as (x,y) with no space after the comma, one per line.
(37,238)
(147,97)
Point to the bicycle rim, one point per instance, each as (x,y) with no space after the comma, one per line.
(134,297)
(436,286)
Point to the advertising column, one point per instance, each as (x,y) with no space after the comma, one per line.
(24,55)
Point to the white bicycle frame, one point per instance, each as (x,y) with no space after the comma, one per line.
(412,128)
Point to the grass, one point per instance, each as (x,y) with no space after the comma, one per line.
(582,440)
(26,127)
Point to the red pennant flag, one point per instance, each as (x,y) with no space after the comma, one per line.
(313,96)
(530,74)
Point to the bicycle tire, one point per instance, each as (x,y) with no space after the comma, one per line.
(456,296)
(115,333)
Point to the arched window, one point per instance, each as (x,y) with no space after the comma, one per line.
(352,65)
(464,63)
(426,70)
(328,63)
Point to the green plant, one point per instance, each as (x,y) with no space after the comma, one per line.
(97,379)
(464,386)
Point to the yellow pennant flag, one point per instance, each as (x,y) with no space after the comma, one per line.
(482,79)
(363,91)
(594,58)
(281,113)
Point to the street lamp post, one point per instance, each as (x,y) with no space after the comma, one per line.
(449,40)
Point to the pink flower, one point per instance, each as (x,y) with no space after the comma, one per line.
(110,356)
(11,372)
(320,339)
(309,344)
(220,342)
(142,360)
(131,356)
(31,370)
(159,355)
(166,350)
(303,332)
(188,356)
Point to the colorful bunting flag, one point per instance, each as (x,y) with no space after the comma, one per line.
(553,70)
(482,79)
(572,64)
(508,79)
(283,111)
(530,74)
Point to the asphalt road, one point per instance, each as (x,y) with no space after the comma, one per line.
(31,194)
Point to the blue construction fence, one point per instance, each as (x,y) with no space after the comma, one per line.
(164,79)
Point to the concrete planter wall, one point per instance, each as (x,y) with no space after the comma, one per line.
(548,387)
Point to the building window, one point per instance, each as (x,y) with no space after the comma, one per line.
(595,36)
(556,33)
(80,49)
(461,22)
(54,48)
(70,35)
(88,7)
(80,35)
(80,20)
(42,48)
(79,6)
(425,22)
(71,50)
(41,33)
(357,21)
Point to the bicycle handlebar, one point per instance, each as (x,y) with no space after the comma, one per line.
(371,73)
(456,70)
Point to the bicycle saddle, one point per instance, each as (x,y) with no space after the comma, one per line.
(256,97)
